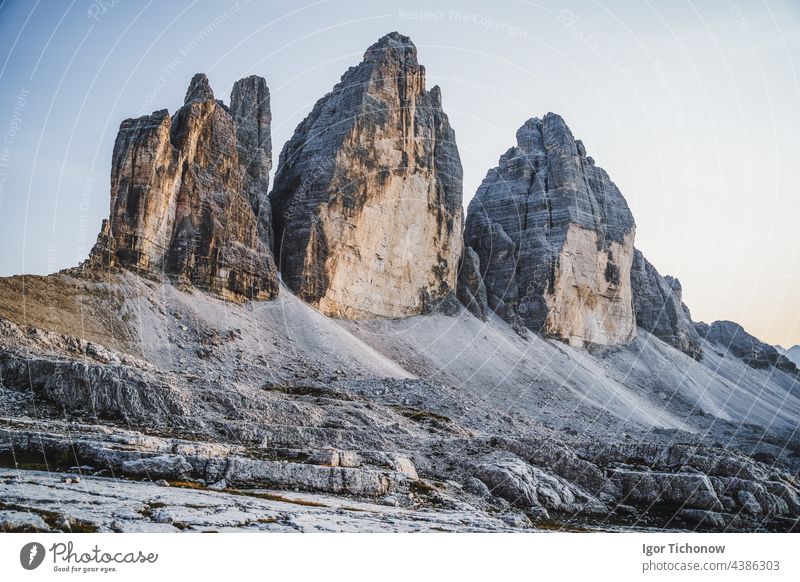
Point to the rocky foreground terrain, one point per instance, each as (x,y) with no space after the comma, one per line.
(350,353)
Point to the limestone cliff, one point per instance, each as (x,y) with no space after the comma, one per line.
(188,191)
(367,197)
(555,239)
(659,307)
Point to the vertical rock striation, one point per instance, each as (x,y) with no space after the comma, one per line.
(659,307)
(187,194)
(250,109)
(367,196)
(555,239)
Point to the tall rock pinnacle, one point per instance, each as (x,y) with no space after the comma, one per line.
(250,109)
(367,196)
(185,201)
(555,239)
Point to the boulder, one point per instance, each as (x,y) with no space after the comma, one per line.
(240,471)
(100,390)
(12,521)
(690,490)
(525,486)
(710,519)
(158,467)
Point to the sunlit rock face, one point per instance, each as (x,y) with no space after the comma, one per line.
(367,198)
(555,239)
(187,200)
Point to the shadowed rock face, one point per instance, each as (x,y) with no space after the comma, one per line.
(732,337)
(659,307)
(471,289)
(792,354)
(367,196)
(187,194)
(555,239)
(251,114)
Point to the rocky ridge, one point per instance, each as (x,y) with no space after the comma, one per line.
(209,396)
(733,339)
(792,353)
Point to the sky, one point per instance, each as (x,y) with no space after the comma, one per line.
(692,107)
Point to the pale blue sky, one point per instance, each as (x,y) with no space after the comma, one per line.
(692,107)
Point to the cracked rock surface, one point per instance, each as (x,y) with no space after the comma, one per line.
(220,410)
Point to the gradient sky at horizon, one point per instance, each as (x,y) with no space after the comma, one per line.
(692,107)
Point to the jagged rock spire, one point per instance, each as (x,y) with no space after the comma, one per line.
(367,196)
(250,109)
(555,239)
(199,89)
(181,202)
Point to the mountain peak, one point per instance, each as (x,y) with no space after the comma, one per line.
(215,238)
(199,89)
(526,221)
(392,43)
(377,146)
(393,38)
